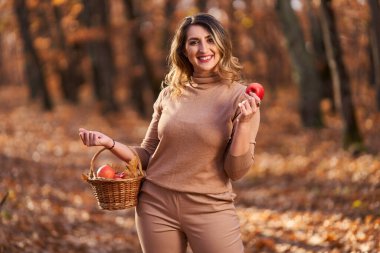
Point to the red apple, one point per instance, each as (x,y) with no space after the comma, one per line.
(105,171)
(119,175)
(256,88)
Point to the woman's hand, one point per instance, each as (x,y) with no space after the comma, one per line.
(94,138)
(249,107)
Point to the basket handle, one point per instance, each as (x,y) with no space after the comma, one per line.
(92,173)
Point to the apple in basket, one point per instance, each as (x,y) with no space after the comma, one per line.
(106,171)
(119,175)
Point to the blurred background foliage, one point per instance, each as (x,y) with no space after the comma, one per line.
(65,64)
(116,51)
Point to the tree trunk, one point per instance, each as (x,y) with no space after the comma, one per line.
(202,5)
(95,15)
(167,31)
(375,45)
(319,51)
(143,79)
(342,91)
(33,66)
(371,67)
(69,65)
(307,77)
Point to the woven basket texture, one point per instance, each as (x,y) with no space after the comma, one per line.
(116,194)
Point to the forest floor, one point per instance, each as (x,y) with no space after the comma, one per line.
(304,193)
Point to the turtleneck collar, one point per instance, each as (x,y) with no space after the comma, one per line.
(204,82)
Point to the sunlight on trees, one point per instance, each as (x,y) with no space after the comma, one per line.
(101,63)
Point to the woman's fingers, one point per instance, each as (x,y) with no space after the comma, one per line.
(257,99)
(93,138)
(249,107)
(87,137)
(82,135)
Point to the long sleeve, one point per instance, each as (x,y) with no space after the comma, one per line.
(151,140)
(237,166)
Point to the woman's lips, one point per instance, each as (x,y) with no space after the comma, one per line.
(204,59)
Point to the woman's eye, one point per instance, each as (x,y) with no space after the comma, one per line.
(210,40)
(193,42)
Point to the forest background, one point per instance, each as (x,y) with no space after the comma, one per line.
(65,64)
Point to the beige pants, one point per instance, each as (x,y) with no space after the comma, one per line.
(167,220)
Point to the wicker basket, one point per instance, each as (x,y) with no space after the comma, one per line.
(115,194)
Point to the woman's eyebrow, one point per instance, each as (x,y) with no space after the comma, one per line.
(197,38)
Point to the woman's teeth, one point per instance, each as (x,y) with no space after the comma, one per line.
(205,58)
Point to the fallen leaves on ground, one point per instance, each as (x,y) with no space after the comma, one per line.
(304,194)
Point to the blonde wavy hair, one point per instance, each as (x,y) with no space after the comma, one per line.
(180,68)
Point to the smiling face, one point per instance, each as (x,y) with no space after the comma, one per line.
(201,50)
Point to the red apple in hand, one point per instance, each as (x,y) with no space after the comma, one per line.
(105,171)
(256,88)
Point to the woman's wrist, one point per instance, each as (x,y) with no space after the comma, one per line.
(112,145)
(247,130)
(245,125)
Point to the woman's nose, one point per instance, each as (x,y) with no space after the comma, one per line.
(203,47)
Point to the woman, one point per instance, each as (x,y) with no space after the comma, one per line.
(201,136)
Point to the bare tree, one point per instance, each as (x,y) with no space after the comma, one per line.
(307,77)
(143,77)
(319,52)
(95,16)
(375,45)
(69,63)
(167,30)
(33,65)
(342,91)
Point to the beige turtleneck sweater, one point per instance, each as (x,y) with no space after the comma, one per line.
(186,147)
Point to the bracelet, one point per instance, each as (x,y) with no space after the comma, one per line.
(113,145)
